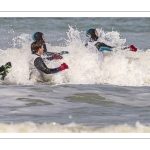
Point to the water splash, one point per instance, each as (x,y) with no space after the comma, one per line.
(120,67)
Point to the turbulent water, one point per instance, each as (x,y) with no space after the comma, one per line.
(112,96)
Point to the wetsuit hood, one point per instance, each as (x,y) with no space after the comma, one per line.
(90,32)
(37,36)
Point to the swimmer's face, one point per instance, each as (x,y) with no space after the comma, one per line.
(40,51)
(96,33)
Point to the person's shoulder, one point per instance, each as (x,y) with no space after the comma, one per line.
(38,57)
(38,60)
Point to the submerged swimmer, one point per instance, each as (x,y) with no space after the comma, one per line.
(39,36)
(96,46)
(5,69)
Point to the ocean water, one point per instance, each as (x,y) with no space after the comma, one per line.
(89,97)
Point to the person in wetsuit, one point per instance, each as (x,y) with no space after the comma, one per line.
(36,64)
(4,69)
(94,46)
(39,36)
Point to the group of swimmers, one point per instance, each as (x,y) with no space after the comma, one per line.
(37,65)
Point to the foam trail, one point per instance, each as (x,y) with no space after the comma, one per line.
(30,127)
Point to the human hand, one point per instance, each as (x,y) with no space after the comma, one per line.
(63,67)
(133,48)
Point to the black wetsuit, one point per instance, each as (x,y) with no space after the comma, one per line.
(38,67)
(45,49)
(4,70)
(99,45)
(39,64)
(47,53)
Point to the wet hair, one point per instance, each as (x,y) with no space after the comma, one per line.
(37,36)
(90,32)
(35,46)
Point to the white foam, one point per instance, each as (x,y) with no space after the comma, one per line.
(30,127)
(120,67)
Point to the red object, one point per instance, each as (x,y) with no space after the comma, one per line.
(133,48)
(63,67)
(57,56)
